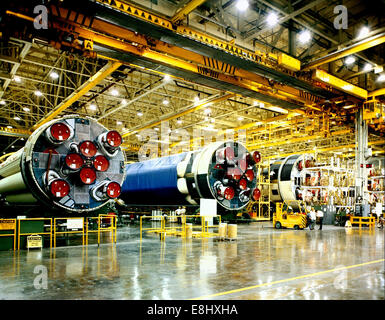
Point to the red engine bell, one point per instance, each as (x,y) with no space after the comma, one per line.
(113,190)
(59,188)
(101,163)
(87,175)
(60,131)
(243,184)
(226,192)
(300,165)
(256,194)
(88,148)
(249,175)
(114,139)
(74,161)
(257,156)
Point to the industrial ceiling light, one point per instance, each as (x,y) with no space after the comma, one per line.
(38,93)
(196,99)
(26,109)
(167,77)
(349,60)
(156,129)
(364,31)
(16,118)
(119,123)
(92,106)
(166,102)
(124,102)
(242,5)
(304,36)
(140,114)
(207,111)
(368,67)
(381,78)
(272,19)
(54,75)
(17,79)
(9,127)
(240,118)
(114,92)
(2,102)
(179,121)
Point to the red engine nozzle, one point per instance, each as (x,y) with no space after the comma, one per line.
(74,161)
(87,175)
(243,184)
(88,148)
(256,194)
(226,192)
(113,190)
(59,188)
(226,153)
(257,156)
(59,132)
(101,163)
(249,175)
(113,139)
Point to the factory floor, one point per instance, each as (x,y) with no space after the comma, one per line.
(264,263)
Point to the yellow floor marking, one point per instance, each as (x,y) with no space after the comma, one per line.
(286,280)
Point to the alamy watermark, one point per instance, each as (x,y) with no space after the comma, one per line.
(41,280)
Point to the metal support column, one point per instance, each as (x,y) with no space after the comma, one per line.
(361,151)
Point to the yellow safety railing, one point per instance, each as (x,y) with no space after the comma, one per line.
(203,227)
(55,233)
(8,225)
(112,228)
(33,233)
(369,221)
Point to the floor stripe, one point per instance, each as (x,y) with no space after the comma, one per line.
(286,280)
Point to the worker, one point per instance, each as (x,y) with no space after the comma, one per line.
(178,214)
(182,212)
(312,217)
(320,216)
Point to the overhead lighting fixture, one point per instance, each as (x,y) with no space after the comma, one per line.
(368,67)
(167,77)
(242,5)
(124,102)
(304,36)
(196,99)
(349,60)
(381,78)
(17,79)
(207,111)
(22,139)
(38,93)
(114,92)
(156,129)
(240,118)
(92,106)
(166,102)
(139,114)
(26,109)
(272,19)
(179,121)
(54,75)
(119,123)
(364,31)
(9,127)
(16,118)
(212,120)
(2,102)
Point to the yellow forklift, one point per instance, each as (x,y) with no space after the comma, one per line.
(285,217)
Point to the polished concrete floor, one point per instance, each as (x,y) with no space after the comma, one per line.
(264,263)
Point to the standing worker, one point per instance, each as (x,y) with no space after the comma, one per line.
(313,217)
(178,213)
(182,212)
(320,215)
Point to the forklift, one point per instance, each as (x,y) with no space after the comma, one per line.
(285,217)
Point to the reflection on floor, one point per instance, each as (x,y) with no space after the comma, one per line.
(272,262)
